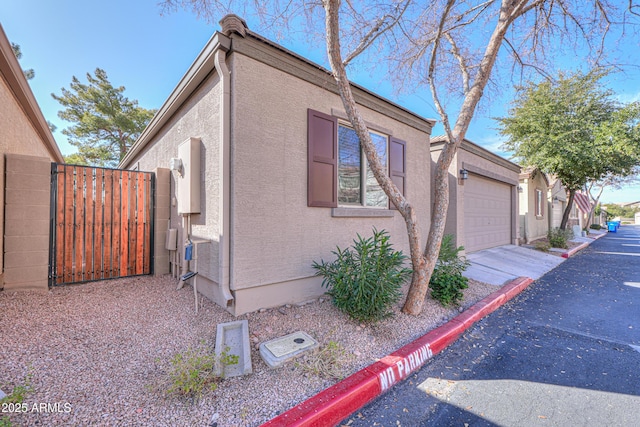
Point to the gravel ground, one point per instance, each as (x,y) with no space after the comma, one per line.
(101,351)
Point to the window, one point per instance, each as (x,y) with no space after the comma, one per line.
(337,171)
(357,186)
(539,203)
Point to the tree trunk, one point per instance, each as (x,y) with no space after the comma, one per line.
(567,210)
(419,278)
(423,263)
(595,201)
(509,11)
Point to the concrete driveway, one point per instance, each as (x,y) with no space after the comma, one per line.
(504,263)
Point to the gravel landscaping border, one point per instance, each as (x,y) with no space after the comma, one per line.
(98,353)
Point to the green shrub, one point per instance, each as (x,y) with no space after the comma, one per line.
(364,281)
(542,246)
(447,280)
(17,396)
(595,226)
(558,238)
(196,370)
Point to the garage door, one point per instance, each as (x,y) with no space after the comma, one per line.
(556,213)
(487,213)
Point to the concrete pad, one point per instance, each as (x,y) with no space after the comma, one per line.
(279,350)
(235,337)
(581,239)
(487,275)
(515,261)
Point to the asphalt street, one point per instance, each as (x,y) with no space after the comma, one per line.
(565,352)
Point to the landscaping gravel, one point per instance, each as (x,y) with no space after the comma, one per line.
(98,353)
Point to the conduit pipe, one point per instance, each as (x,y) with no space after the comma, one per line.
(224,205)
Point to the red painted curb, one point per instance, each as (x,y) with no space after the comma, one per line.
(572,252)
(336,403)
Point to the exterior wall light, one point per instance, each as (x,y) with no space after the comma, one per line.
(464,174)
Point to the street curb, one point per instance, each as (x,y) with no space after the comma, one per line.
(598,236)
(573,251)
(336,403)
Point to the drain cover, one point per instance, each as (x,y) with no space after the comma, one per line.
(278,350)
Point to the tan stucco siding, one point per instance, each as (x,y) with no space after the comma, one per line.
(533,226)
(17,136)
(276,237)
(487,168)
(483,165)
(198,117)
(452,225)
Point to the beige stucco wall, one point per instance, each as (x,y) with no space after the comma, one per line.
(26,232)
(480,162)
(198,118)
(558,203)
(275,236)
(17,136)
(533,227)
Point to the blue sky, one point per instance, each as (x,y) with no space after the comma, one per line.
(149,53)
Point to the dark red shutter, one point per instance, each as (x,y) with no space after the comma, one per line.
(322,164)
(398,165)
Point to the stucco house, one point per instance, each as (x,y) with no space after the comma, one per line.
(533,204)
(264,175)
(483,200)
(558,202)
(27,148)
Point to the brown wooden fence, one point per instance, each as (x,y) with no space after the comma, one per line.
(101,224)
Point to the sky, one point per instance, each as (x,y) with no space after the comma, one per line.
(148,53)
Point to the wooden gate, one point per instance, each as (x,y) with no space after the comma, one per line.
(101,223)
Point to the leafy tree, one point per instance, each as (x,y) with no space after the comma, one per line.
(28,74)
(574,129)
(614,210)
(75,159)
(105,122)
(595,188)
(438,47)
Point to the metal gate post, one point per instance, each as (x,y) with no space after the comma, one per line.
(52,223)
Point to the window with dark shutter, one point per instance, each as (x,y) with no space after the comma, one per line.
(397,165)
(322,137)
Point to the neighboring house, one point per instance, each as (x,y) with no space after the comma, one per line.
(483,199)
(267,175)
(557,201)
(637,218)
(635,205)
(28,148)
(534,212)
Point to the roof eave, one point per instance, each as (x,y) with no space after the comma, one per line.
(203,65)
(12,72)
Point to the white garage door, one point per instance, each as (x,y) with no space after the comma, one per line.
(556,213)
(487,213)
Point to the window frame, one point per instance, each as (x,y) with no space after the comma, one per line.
(322,165)
(364,169)
(539,203)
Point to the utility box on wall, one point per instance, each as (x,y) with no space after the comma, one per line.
(189,178)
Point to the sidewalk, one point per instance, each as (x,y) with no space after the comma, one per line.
(516,266)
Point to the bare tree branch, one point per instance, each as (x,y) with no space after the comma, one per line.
(378,29)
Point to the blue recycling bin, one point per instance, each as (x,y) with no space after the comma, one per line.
(611,226)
